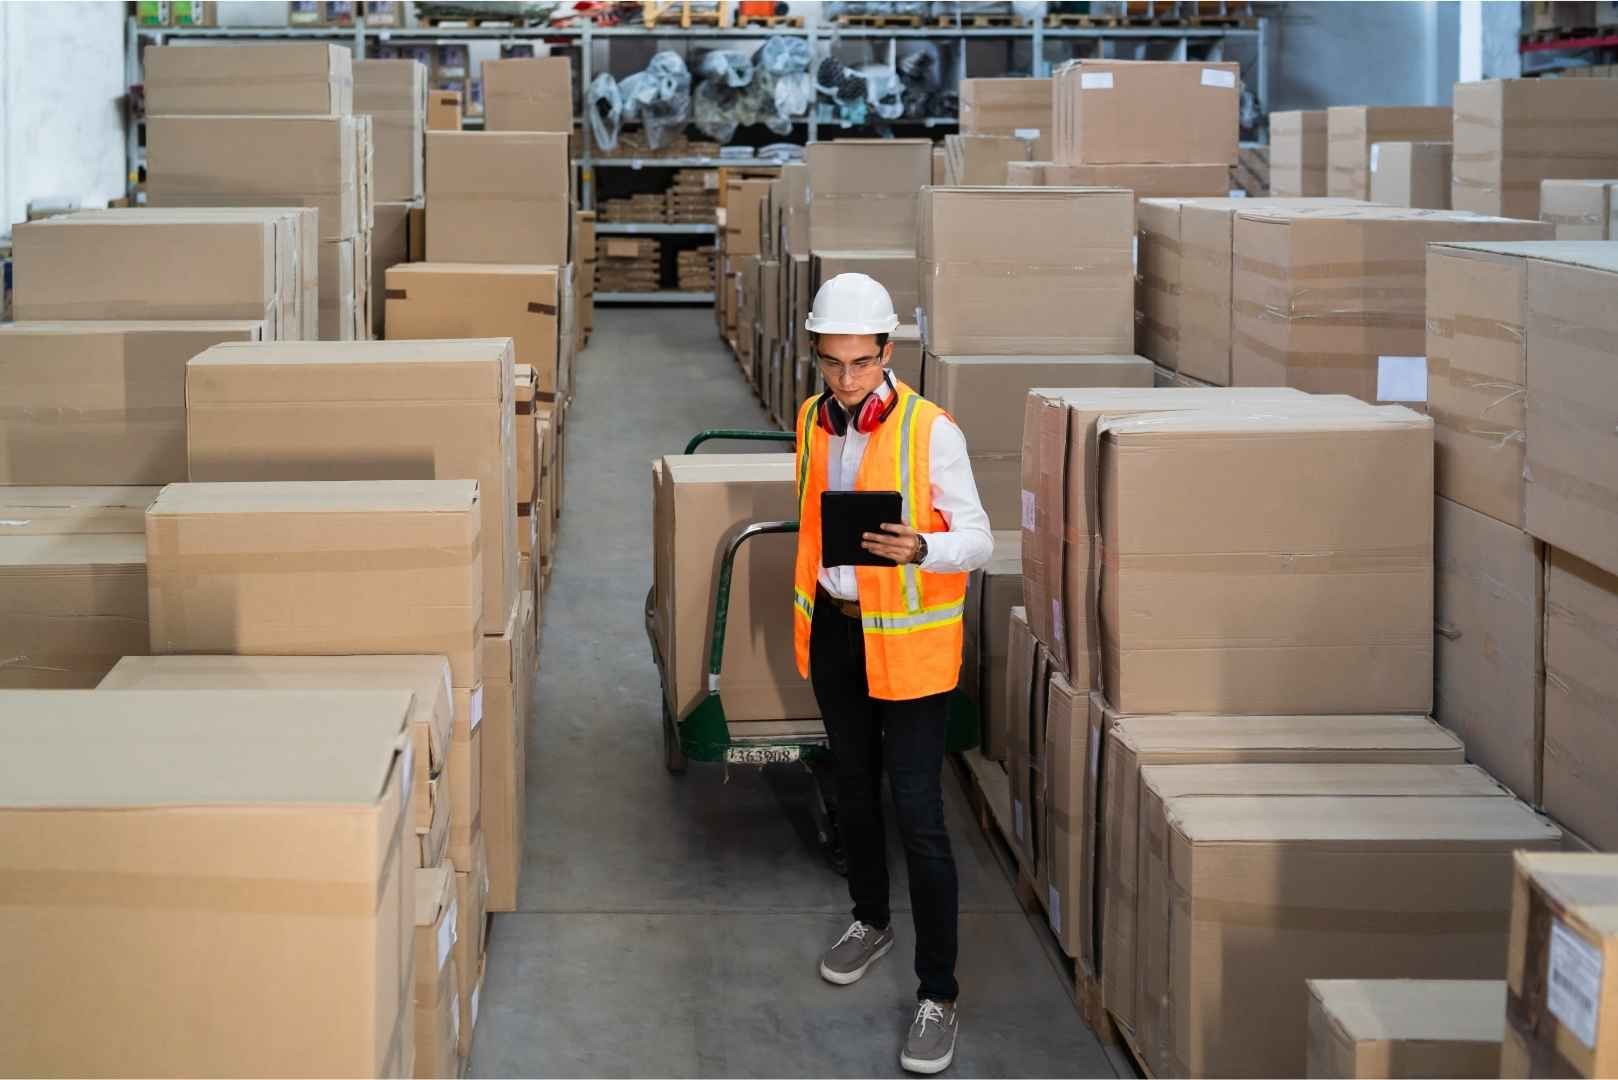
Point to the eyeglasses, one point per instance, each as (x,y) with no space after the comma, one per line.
(831,368)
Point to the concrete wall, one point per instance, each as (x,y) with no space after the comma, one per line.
(61,104)
(1324,54)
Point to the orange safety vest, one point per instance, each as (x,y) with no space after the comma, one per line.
(911,617)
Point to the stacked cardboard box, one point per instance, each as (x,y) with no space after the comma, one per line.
(1510,134)
(1405,1027)
(693,196)
(499,197)
(443,110)
(210,789)
(528,475)
(1411,174)
(466,300)
(769,371)
(528,94)
(1146,181)
(864,194)
(906,363)
(586,272)
(738,220)
(1007,107)
(1580,209)
(394,94)
(643,209)
(984,159)
(437,982)
(992,594)
(1298,153)
(695,269)
(629,264)
(895,270)
(797,284)
(1351,131)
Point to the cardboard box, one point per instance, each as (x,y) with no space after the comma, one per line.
(1137,901)
(528,94)
(462,300)
(697,502)
(72,583)
(1125,111)
(394,94)
(202,790)
(864,193)
(1146,181)
(291,79)
(1027,698)
(1510,134)
(258,161)
(527,435)
(905,363)
(1066,876)
(394,410)
(499,197)
(980,298)
(743,197)
(1411,174)
(507,674)
(1351,129)
(1580,209)
(1333,299)
(443,110)
(1022,174)
(1581,760)
(1245,871)
(1405,1027)
(1561,981)
(389,247)
(991,593)
(794,208)
(981,160)
(471,955)
(318,569)
(99,402)
(432,843)
(464,776)
(1294,610)
(1298,152)
(338,293)
(438,1015)
(896,271)
(1005,106)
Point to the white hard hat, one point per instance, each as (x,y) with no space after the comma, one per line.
(852,304)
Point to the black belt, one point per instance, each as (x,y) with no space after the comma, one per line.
(849,608)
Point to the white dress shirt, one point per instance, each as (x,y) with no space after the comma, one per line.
(966,546)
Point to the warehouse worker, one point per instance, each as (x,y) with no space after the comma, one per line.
(882,644)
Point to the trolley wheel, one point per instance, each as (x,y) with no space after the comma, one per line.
(674,759)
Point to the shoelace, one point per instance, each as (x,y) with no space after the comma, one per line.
(855,932)
(929,1010)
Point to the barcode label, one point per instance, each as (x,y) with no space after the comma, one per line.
(1401,378)
(1095,80)
(1027,510)
(1225,80)
(1573,983)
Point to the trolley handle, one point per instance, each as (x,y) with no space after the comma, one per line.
(716,647)
(738,435)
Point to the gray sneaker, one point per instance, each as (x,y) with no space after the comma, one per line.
(860,946)
(930,1043)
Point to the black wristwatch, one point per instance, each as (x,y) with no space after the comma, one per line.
(921,550)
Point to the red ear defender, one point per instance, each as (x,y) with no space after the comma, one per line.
(868,415)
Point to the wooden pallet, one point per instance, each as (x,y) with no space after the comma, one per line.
(980,22)
(443,22)
(881,22)
(769,21)
(1079,22)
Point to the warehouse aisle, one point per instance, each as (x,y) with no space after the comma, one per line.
(671,926)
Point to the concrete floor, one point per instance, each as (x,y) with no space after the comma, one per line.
(671,926)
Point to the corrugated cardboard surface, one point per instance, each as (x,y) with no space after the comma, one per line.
(390,246)
(507,671)
(1146,181)
(1066,759)
(1406,1027)
(68,511)
(987,395)
(397,410)
(248,80)
(1581,698)
(460,300)
(1120,111)
(1027,696)
(1351,129)
(339,302)
(1580,209)
(444,110)
(896,271)
(1512,133)
(1063,286)
(394,94)
(318,569)
(1005,106)
(991,594)
(906,362)
(258,161)
(863,192)
(138,817)
(99,402)
(982,159)
(1411,174)
(498,197)
(743,198)
(528,94)
(1490,635)
(1298,152)
(1267,564)
(1273,891)
(1333,299)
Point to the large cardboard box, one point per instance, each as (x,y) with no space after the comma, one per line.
(288,79)
(1351,129)
(981,160)
(99,402)
(340,313)
(318,569)
(991,593)
(258,161)
(1405,1027)
(396,410)
(1298,153)
(1333,299)
(697,503)
(1005,106)
(1268,563)
(438,1014)
(1580,209)
(1510,134)
(508,667)
(394,94)
(1411,174)
(1142,894)
(1581,692)
(528,94)
(443,110)
(460,300)
(1561,974)
(471,938)
(1273,891)
(1146,181)
(1066,876)
(979,296)
(987,396)
(72,583)
(863,193)
(464,776)
(896,271)
(1028,670)
(499,197)
(426,678)
(743,199)
(138,817)
(1127,111)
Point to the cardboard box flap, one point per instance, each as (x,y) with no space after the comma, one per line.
(525,383)
(699,468)
(1263,421)
(499,653)
(317,497)
(1583,887)
(63,511)
(435,892)
(1296,735)
(30,552)
(81,328)
(103,749)
(1388,1010)
(1380,819)
(241,373)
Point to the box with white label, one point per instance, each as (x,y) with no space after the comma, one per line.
(1562,965)
(1145,112)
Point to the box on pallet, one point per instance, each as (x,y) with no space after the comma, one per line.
(499,197)
(1405,1027)
(1351,129)
(292,79)
(1138,112)
(394,94)
(1510,134)
(1298,153)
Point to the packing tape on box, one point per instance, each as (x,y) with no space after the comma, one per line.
(1394,920)
(1467,424)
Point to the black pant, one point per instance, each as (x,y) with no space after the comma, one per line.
(907,739)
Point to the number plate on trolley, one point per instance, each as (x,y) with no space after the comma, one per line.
(762,755)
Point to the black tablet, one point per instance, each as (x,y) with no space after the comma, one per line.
(845,516)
